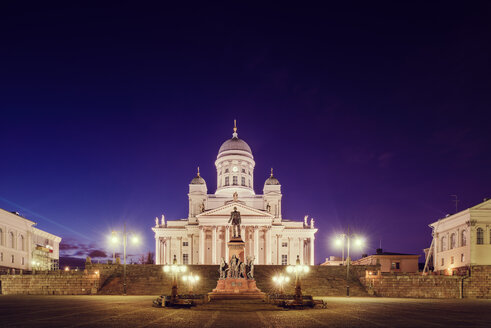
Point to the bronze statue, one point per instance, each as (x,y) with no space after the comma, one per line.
(235,219)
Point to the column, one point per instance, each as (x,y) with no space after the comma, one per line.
(214,245)
(162,252)
(227,239)
(256,243)
(170,257)
(157,250)
(312,250)
(300,249)
(268,246)
(243,233)
(191,249)
(278,255)
(290,251)
(180,250)
(201,245)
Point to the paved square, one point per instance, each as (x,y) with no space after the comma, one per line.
(136,311)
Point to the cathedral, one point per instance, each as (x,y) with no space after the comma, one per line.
(202,237)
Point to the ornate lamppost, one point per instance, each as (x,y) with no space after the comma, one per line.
(298,269)
(191,279)
(114,239)
(345,239)
(174,269)
(280,280)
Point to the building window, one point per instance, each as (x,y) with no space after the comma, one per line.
(12,240)
(22,243)
(451,260)
(284,244)
(463,239)
(1,237)
(480,236)
(235,180)
(242,180)
(243,171)
(462,258)
(22,261)
(452,241)
(1,257)
(226,181)
(226,170)
(13,259)
(396,265)
(284,259)
(185,259)
(184,243)
(444,244)
(443,261)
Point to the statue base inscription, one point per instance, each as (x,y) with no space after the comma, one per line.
(236,288)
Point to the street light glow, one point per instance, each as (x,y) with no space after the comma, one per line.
(135,240)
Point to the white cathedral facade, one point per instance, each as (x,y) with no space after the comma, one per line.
(202,237)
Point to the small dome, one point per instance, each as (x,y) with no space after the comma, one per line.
(234,144)
(198,179)
(272,180)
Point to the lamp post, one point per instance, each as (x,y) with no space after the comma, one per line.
(174,269)
(341,240)
(114,240)
(191,280)
(298,269)
(280,280)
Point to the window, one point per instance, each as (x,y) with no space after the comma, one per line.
(1,257)
(451,260)
(242,180)
(243,171)
(226,170)
(13,259)
(226,181)
(1,237)
(480,236)
(452,241)
(396,265)
(184,243)
(185,259)
(462,258)
(443,261)
(235,180)
(444,244)
(22,242)
(284,259)
(11,241)
(284,244)
(463,239)
(22,261)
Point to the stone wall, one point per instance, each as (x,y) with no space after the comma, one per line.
(478,283)
(151,280)
(50,283)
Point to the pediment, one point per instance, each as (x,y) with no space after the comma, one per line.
(486,205)
(225,210)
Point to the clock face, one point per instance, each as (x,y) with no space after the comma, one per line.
(235,169)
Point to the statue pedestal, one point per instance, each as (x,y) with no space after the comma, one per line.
(236,288)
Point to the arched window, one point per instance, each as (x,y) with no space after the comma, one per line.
(11,240)
(480,236)
(1,237)
(452,241)
(21,239)
(463,238)
(444,244)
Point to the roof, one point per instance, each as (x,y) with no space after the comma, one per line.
(234,144)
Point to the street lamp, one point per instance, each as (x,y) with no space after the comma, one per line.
(280,280)
(298,269)
(191,280)
(115,240)
(174,269)
(345,238)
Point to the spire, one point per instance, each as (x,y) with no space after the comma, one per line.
(198,170)
(234,135)
(271,172)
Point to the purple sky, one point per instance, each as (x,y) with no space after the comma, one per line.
(372,114)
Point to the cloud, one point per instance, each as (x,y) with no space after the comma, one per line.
(97,253)
(72,248)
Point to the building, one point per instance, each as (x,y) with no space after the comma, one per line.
(462,239)
(201,237)
(25,247)
(391,262)
(333,260)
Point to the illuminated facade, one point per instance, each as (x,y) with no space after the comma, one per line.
(25,247)
(201,237)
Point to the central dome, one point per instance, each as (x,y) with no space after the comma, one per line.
(234,144)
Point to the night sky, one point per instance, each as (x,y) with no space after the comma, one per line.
(372,114)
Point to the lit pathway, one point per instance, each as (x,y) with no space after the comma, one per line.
(136,311)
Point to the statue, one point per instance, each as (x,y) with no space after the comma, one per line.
(236,196)
(202,207)
(305,220)
(268,208)
(162,221)
(223,269)
(242,270)
(156,221)
(250,266)
(234,267)
(235,219)
(312,223)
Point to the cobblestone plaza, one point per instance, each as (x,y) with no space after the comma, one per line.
(136,311)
